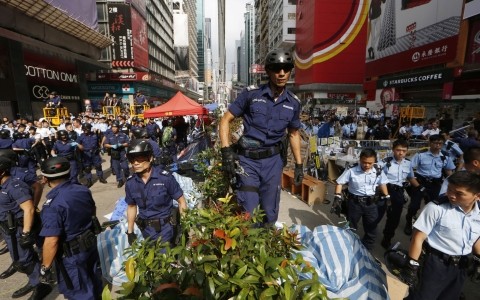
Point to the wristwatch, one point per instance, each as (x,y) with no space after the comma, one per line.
(44,270)
(414,263)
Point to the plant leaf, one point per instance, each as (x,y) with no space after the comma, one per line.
(243,294)
(240,272)
(268,293)
(106,295)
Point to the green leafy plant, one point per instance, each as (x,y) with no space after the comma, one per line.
(226,256)
(215,184)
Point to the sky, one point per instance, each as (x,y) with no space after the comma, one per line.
(234,11)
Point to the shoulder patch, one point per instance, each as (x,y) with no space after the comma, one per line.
(252,87)
(165,172)
(129,177)
(293,95)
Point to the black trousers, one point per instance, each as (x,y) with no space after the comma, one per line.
(439,280)
(394,212)
(432,189)
(369,215)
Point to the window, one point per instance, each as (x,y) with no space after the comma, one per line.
(102,12)
(291,30)
(292,2)
(291,16)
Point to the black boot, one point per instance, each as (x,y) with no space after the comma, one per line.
(4,250)
(23,291)
(8,272)
(386,243)
(102,180)
(120,184)
(89,183)
(40,291)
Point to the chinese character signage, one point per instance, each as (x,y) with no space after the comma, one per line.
(120,23)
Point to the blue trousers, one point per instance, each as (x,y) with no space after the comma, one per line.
(439,280)
(369,215)
(89,160)
(85,273)
(264,175)
(25,257)
(119,165)
(73,170)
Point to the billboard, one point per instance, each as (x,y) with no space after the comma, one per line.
(120,23)
(330,41)
(472,55)
(409,34)
(84,11)
(140,40)
(47,73)
(180,30)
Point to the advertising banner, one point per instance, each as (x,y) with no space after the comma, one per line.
(423,78)
(120,21)
(330,41)
(47,73)
(140,40)
(383,99)
(472,55)
(408,34)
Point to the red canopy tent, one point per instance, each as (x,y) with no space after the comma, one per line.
(178,105)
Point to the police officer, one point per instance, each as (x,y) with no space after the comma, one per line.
(17,213)
(153,130)
(398,169)
(452,149)
(88,143)
(117,141)
(267,112)
(141,133)
(451,228)
(23,146)
(67,222)
(124,125)
(417,129)
(5,139)
(363,179)
(429,165)
(64,147)
(152,190)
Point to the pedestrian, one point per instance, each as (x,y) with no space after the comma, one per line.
(68,217)
(64,147)
(152,190)
(17,214)
(451,229)
(430,165)
(117,142)
(268,112)
(89,145)
(398,170)
(362,180)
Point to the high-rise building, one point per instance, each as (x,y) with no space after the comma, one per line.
(201,40)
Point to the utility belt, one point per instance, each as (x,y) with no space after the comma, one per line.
(155,223)
(69,156)
(460,261)
(428,180)
(116,153)
(81,243)
(260,153)
(367,200)
(394,187)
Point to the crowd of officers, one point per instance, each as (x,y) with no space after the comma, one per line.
(62,233)
(447,230)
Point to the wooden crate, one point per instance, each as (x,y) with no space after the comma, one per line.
(287,183)
(313,191)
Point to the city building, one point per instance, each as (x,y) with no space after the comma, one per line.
(47,46)
(201,40)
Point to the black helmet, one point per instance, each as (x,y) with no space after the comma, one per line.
(4,134)
(279,56)
(396,260)
(10,154)
(55,167)
(87,127)
(62,134)
(140,133)
(17,135)
(115,123)
(5,164)
(139,146)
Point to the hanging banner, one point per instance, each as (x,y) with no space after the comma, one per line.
(120,21)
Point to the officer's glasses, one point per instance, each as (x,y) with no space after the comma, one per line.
(277,68)
(138,158)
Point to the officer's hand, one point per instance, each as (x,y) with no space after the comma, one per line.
(26,240)
(46,275)
(385,199)
(228,160)
(410,273)
(73,144)
(132,237)
(114,146)
(298,174)
(337,205)
(119,145)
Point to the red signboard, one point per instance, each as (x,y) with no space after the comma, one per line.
(472,55)
(140,40)
(406,35)
(134,76)
(330,41)
(257,69)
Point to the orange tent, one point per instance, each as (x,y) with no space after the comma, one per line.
(178,105)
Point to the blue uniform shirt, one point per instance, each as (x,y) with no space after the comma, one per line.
(23,143)
(89,142)
(64,149)
(397,172)
(155,148)
(430,166)
(67,211)
(24,175)
(6,143)
(416,130)
(348,130)
(118,138)
(13,192)
(362,183)
(452,149)
(154,198)
(152,129)
(448,228)
(263,118)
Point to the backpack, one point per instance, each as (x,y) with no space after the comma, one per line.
(167,136)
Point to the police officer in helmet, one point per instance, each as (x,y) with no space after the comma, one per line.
(89,144)
(67,222)
(17,213)
(152,190)
(64,147)
(270,113)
